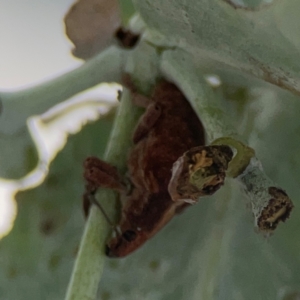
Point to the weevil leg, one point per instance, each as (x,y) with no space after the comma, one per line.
(147,122)
(151,115)
(89,199)
(86,203)
(99,173)
(141,100)
(138,99)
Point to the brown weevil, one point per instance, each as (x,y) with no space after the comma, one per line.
(168,128)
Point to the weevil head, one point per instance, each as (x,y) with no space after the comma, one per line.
(138,225)
(125,243)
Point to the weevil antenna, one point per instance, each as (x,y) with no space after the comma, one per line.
(94,201)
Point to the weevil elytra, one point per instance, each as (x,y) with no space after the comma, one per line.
(168,128)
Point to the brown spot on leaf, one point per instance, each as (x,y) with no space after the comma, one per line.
(75,250)
(54,261)
(154,265)
(291,295)
(105,296)
(91,24)
(47,226)
(52,181)
(12,272)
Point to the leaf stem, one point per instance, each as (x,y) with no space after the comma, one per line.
(90,259)
(242,158)
(270,204)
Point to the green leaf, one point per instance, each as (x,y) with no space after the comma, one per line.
(38,255)
(20,105)
(210,251)
(213,30)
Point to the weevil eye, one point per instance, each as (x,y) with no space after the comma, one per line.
(129,235)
